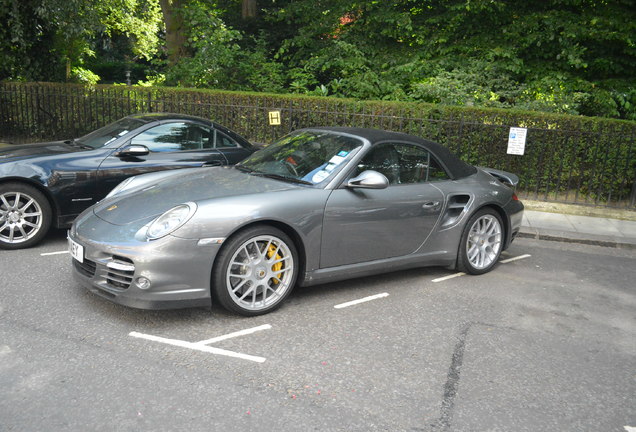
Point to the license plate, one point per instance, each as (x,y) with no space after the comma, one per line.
(76,250)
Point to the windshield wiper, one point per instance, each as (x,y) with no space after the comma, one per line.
(76,143)
(244,168)
(254,172)
(282,177)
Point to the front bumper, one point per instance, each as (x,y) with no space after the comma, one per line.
(179,271)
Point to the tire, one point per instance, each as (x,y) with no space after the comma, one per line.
(481,242)
(255,271)
(25,216)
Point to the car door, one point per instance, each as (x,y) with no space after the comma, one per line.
(363,225)
(171,145)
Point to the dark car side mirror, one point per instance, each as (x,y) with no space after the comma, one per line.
(134,150)
(369,180)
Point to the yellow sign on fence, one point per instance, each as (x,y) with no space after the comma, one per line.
(274,118)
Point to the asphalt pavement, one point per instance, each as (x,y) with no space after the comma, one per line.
(544,342)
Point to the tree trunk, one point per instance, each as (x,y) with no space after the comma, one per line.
(175,31)
(248,9)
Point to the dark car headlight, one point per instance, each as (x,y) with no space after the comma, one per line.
(170,220)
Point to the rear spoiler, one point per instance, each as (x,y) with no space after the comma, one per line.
(506,178)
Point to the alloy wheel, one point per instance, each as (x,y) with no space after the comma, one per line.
(484,241)
(21,217)
(260,272)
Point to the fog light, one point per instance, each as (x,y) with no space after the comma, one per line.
(143,283)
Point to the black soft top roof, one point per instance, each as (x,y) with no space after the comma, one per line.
(455,166)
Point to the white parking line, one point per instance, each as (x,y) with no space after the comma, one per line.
(54,253)
(235,334)
(463,274)
(198,347)
(449,277)
(362,300)
(515,258)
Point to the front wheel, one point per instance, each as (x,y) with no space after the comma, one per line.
(481,242)
(255,271)
(25,216)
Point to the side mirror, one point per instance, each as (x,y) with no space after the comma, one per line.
(134,150)
(369,180)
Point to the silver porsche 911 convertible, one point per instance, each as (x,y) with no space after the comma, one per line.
(319,205)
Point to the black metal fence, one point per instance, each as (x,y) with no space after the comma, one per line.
(580,166)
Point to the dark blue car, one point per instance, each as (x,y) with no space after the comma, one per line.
(51,183)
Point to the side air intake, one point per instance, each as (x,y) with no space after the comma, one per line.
(456,207)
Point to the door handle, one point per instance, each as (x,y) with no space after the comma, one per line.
(430,204)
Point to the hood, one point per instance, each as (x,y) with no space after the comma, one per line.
(28,151)
(181,186)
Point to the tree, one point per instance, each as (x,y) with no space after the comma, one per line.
(573,56)
(248,9)
(176,37)
(43,36)
(576,56)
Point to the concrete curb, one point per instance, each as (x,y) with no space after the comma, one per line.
(573,237)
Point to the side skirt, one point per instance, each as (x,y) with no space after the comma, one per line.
(350,271)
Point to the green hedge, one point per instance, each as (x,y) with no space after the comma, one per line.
(568,158)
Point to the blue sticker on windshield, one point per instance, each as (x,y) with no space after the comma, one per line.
(343,153)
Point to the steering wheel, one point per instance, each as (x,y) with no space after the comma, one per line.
(290,167)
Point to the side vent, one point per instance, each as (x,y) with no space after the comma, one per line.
(456,207)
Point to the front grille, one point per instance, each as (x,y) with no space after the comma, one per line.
(111,273)
(86,268)
(119,272)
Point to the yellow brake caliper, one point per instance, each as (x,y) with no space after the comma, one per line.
(279,265)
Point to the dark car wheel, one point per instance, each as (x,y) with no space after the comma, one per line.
(25,216)
(255,271)
(481,242)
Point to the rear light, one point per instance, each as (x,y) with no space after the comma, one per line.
(515,197)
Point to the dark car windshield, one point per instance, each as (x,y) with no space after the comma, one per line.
(111,132)
(308,157)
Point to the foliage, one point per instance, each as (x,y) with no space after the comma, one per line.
(568,56)
(139,20)
(45,39)
(218,60)
(562,56)
(84,76)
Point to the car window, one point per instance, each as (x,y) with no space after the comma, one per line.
(402,164)
(435,171)
(224,141)
(173,137)
(111,132)
(309,157)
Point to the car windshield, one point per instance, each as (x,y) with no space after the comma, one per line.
(304,157)
(108,133)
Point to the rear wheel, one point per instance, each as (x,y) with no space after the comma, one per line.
(481,242)
(25,216)
(255,271)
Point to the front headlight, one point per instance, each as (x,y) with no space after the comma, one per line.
(170,220)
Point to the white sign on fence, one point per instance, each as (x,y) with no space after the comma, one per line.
(517,140)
